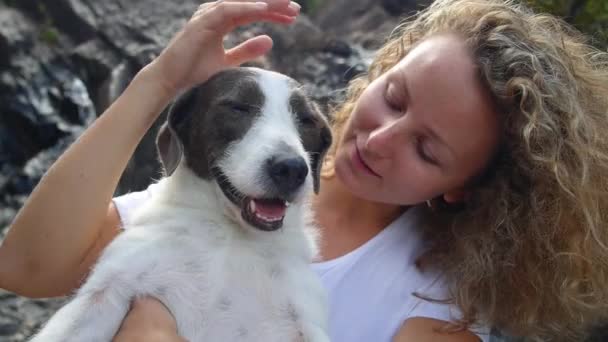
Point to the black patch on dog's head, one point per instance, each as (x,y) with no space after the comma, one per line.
(205,120)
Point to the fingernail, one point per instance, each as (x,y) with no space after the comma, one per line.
(295,5)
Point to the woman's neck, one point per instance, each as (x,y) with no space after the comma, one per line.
(347,221)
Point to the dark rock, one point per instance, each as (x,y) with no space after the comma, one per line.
(70,16)
(8,326)
(15,33)
(21,317)
(39,107)
(339,48)
(364,22)
(403,7)
(95,62)
(137,29)
(41,100)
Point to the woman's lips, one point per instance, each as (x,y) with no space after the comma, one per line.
(360,163)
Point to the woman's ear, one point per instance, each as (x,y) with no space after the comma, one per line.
(456,196)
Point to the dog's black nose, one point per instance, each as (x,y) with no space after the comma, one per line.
(287,174)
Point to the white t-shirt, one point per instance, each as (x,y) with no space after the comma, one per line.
(371,288)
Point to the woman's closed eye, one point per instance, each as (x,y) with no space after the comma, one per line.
(424,153)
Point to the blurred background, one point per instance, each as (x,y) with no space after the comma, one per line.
(63,62)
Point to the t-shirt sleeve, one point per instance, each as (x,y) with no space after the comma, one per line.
(127,203)
(439,310)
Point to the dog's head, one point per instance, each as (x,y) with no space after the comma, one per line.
(255,134)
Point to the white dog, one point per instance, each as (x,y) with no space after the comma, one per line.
(226,242)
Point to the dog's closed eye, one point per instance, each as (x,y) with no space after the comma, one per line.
(238,107)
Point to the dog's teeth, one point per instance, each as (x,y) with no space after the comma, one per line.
(252,206)
(268,219)
(287,204)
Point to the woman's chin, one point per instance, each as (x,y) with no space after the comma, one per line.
(360,188)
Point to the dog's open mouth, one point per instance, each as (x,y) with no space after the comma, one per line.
(263,213)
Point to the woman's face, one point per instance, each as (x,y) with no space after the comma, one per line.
(421,130)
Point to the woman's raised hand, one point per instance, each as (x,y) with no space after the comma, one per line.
(197,51)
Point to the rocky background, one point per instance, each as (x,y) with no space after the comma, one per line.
(63,62)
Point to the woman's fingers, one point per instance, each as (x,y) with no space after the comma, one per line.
(152,311)
(197,51)
(276,18)
(266,17)
(248,50)
(287,7)
(222,17)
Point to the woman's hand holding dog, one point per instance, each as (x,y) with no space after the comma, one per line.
(197,51)
(150,321)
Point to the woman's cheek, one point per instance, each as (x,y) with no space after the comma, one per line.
(412,177)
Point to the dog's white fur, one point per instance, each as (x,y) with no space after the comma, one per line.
(222,280)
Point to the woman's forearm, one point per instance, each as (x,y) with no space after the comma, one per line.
(65,213)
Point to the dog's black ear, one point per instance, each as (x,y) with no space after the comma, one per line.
(318,155)
(169,141)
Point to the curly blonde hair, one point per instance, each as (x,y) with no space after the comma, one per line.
(528,253)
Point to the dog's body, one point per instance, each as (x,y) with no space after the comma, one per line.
(216,243)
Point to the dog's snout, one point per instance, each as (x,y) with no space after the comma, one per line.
(287,174)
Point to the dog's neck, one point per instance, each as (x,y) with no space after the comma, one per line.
(184,188)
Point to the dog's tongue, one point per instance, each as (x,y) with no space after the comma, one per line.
(270,209)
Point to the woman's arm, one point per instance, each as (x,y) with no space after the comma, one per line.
(68,213)
(68,218)
(421,329)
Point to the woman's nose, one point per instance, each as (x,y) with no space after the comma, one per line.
(383,139)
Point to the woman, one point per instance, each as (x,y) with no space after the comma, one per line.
(491,115)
